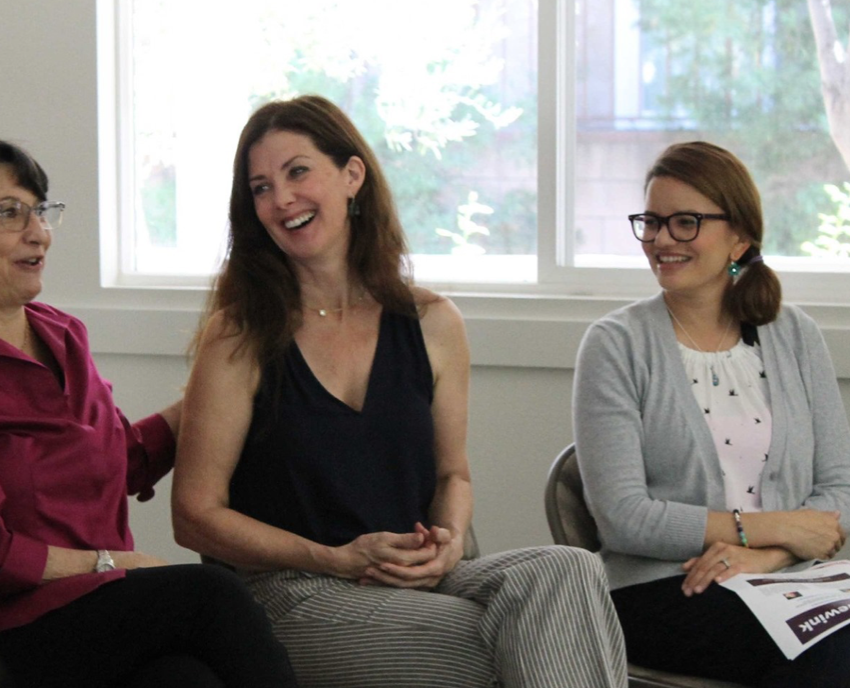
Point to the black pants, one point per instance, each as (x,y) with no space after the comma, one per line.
(716,636)
(188,626)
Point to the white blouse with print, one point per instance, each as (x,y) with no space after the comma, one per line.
(731,389)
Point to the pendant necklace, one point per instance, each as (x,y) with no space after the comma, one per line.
(323,312)
(715,379)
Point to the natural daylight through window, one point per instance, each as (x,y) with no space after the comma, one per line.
(502,172)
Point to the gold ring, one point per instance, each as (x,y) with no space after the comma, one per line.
(726,563)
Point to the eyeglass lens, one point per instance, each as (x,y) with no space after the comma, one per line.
(682,227)
(15,215)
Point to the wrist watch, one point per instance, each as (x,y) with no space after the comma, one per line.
(104,562)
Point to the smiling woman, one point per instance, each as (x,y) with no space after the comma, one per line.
(301,196)
(70,579)
(710,434)
(339,486)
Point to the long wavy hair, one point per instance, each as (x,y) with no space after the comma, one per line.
(756,295)
(257,287)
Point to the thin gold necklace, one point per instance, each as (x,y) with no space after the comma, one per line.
(715,379)
(323,312)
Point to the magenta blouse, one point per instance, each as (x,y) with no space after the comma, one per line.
(68,460)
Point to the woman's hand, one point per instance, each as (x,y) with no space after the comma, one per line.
(721,561)
(811,534)
(447,548)
(372,550)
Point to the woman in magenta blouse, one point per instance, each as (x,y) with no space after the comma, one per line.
(78,604)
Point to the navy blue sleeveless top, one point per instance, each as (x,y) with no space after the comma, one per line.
(314,466)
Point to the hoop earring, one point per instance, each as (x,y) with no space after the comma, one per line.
(734,269)
(353,207)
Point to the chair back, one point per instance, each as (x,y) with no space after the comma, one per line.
(571,524)
(569,519)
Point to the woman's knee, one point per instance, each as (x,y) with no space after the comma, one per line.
(568,562)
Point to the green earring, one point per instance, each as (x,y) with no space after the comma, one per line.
(734,269)
(353,207)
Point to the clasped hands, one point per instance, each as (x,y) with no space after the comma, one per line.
(800,536)
(404,560)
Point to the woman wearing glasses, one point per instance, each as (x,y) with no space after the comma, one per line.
(711,435)
(78,606)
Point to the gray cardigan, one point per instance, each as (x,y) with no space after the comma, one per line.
(647,458)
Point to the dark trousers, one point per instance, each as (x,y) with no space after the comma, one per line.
(716,636)
(192,626)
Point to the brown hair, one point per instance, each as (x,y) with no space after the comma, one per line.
(754,297)
(256,286)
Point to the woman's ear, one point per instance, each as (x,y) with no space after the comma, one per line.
(740,248)
(356,171)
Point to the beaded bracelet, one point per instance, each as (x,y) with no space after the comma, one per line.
(740,527)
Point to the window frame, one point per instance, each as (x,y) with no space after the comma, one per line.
(559,273)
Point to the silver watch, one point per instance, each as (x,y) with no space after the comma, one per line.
(104,562)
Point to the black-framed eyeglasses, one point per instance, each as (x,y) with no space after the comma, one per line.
(681,226)
(15,214)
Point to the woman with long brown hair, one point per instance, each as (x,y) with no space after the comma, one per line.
(323,449)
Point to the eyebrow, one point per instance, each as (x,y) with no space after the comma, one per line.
(285,165)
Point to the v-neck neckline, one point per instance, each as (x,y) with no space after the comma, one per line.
(369,381)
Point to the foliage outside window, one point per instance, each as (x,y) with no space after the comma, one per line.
(447,93)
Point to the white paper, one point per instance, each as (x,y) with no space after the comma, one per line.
(798,609)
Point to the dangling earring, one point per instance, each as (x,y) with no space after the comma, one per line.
(353,207)
(734,269)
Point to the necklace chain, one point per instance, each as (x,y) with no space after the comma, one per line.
(323,312)
(715,378)
(691,339)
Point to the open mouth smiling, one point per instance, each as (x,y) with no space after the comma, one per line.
(31,262)
(665,260)
(300,221)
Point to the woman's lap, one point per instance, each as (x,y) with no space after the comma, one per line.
(715,635)
(339,633)
(180,616)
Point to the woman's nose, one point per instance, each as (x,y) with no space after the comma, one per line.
(37,230)
(283,195)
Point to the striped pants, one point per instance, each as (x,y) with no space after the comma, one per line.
(531,618)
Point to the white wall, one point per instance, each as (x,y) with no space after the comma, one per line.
(523,348)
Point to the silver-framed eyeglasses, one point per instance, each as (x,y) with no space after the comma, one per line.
(15,214)
(681,226)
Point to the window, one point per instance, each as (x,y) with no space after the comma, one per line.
(449,108)
(514,158)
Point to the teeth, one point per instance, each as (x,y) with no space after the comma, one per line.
(301,220)
(672,259)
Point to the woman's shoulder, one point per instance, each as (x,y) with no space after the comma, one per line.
(440,319)
(629,321)
(434,308)
(793,323)
(222,336)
